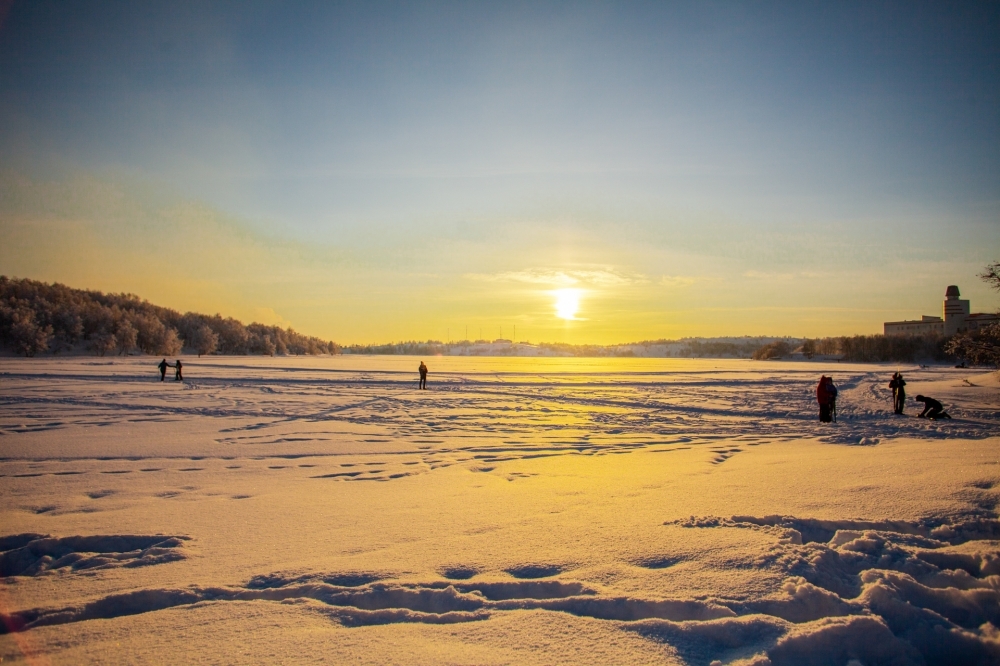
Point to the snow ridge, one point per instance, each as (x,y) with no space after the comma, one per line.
(896,592)
(37,554)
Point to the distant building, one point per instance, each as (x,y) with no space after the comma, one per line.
(956,319)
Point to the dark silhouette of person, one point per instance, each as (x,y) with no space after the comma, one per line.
(163,369)
(898,393)
(932,409)
(826,396)
(178,377)
(423,375)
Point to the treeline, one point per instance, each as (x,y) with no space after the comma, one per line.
(37,317)
(429,348)
(979,348)
(725,348)
(864,348)
(898,348)
(772,350)
(565,349)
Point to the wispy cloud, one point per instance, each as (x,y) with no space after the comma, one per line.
(677,280)
(593,277)
(770,275)
(765,275)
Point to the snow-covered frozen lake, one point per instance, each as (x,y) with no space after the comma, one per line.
(520,510)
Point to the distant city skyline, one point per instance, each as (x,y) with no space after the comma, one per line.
(589,172)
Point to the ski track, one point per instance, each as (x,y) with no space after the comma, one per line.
(478,417)
(880,592)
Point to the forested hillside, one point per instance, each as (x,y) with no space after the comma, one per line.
(38,317)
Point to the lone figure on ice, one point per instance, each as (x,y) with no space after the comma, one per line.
(826,396)
(178,377)
(898,393)
(163,369)
(932,409)
(423,375)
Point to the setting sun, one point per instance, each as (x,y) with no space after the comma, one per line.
(567,302)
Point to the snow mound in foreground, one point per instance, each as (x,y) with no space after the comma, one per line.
(890,592)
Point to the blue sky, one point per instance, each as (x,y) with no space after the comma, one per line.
(695,168)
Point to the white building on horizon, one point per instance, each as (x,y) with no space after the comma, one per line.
(957,319)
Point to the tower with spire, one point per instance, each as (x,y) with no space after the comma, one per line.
(956,318)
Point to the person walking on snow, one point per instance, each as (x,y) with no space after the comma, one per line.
(177,373)
(898,393)
(826,396)
(163,369)
(423,375)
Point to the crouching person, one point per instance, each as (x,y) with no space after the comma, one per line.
(932,409)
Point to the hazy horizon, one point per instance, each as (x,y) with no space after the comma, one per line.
(592,173)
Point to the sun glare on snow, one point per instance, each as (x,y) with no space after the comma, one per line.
(567,303)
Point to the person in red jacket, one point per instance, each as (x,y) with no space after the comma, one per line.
(826,396)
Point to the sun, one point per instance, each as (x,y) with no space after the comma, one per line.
(567,302)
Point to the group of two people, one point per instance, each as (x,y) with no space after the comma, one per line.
(932,408)
(177,370)
(826,396)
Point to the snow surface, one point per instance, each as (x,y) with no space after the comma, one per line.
(519,511)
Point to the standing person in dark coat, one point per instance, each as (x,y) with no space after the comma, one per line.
(177,373)
(826,396)
(932,409)
(831,391)
(898,393)
(163,369)
(423,375)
